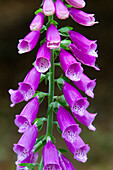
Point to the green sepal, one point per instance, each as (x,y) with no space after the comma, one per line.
(42,42)
(64,34)
(47,77)
(62,100)
(53,22)
(58,128)
(42,77)
(29,165)
(64,43)
(60,83)
(43,29)
(65,29)
(39,122)
(38,10)
(55,107)
(38,146)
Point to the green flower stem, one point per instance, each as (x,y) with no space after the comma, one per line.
(51,91)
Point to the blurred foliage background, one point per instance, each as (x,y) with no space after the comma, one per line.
(15,17)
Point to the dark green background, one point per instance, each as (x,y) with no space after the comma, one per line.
(15,17)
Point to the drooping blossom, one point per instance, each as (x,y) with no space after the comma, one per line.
(15,97)
(29,42)
(53,37)
(50,157)
(26,143)
(84,44)
(82,18)
(27,115)
(85,84)
(61,10)
(48,7)
(79,149)
(70,130)
(77,103)
(71,67)
(37,22)
(87,59)
(28,87)
(43,58)
(76,3)
(86,119)
(65,163)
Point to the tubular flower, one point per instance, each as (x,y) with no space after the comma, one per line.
(32,158)
(50,157)
(53,40)
(82,18)
(26,143)
(42,62)
(27,115)
(15,97)
(61,10)
(29,42)
(76,3)
(71,67)
(86,85)
(48,7)
(77,103)
(86,119)
(87,59)
(70,130)
(29,85)
(37,22)
(65,163)
(79,149)
(84,44)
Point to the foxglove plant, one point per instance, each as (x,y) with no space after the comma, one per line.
(67,107)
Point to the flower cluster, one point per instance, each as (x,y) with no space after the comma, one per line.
(82,51)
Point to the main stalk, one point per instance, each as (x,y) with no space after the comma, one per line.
(51,90)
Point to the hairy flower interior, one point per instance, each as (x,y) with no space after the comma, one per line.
(23,46)
(70,133)
(42,64)
(74,72)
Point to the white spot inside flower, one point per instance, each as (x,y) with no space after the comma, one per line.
(29,94)
(42,64)
(70,135)
(22,155)
(79,109)
(79,153)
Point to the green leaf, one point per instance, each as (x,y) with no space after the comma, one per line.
(65,29)
(39,139)
(53,22)
(55,107)
(64,34)
(38,146)
(68,6)
(37,11)
(49,108)
(29,165)
(62,150)
(60,83)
